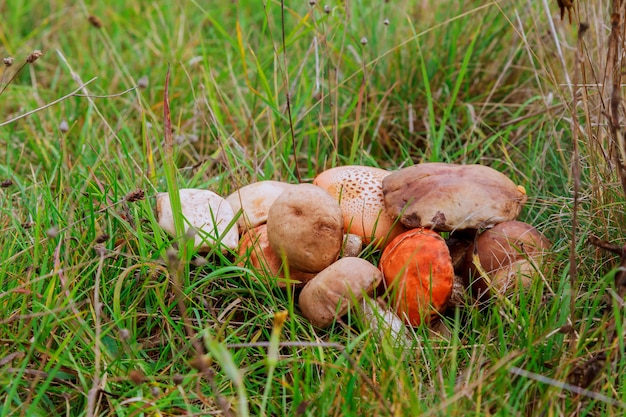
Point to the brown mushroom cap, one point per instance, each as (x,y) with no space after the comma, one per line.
(305,225)
(255,247)
(506,252)
(334,290)
(359,191)
(418,270)
(255,200)
(449,197)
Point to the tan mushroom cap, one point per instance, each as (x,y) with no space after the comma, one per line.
(359,191)
(335,290)
(204,212)
(255,200)
(305,225)
(448,197)
(255,247)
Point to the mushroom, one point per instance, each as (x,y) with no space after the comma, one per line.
(305,226)
(205,213)
(509,254)
(382,321)
(358,189)
(419,274)
(336,289)
(448,197)
(254,246)
(254,200)
(352,245)
(458,243)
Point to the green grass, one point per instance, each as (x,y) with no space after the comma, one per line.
(462,82)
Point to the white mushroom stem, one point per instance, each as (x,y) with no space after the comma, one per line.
(383,321)
(352,245)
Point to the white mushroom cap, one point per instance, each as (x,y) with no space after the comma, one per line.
(205,213)
(255,201)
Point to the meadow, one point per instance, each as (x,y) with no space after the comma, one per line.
(102,313)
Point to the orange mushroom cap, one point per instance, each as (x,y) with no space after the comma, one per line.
(417,268)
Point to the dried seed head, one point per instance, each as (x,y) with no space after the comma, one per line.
(199,261)
(102,238)
(386,22)
(155,391)
(6,183)
(124,334)
(95,21)
(200,363)
(52,232)
(64,126)
(172,256)
(327,9)
(135,196)
(34,56)
(178,379)
(582,28)
(136,376)
(302,408)
(100,249)
(312,2)
(363,40)
(191,233)
(8,61)
(143,82)
(583,374)
(28,225)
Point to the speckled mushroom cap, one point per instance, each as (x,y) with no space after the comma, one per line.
(205,212)
(448,197)
(360,194)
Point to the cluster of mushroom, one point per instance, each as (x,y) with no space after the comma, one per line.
(310,236)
